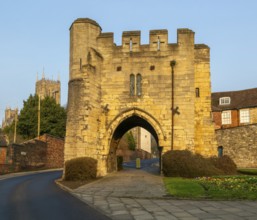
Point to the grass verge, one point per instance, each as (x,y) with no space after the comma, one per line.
(183,187)
(248,171)
(223,187)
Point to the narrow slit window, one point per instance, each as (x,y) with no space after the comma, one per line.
(130,45)
(139,87)
(197,92)
(158,43)
(132,84)
(80,64)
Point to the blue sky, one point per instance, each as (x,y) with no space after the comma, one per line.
(35,35)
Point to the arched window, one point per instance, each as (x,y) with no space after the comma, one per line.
(132,84)
(139,86)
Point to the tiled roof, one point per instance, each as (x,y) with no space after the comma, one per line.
(238,99)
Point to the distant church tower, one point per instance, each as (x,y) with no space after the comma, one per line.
(47,87)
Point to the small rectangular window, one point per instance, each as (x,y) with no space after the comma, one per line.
(197,92)
(119,68)
(244,116)
(225,101)
(226,117)
(152,67)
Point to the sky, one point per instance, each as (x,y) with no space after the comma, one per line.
(34,37)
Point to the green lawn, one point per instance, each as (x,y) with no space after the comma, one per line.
(248,171)
(223,187)
(182,187)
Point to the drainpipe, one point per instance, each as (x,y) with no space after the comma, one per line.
(172,64)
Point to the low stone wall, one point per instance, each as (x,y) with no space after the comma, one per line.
(54,151)
(45,151)
(30,154)
(240,143)
(8,168)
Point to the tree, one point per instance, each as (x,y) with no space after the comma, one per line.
(52,118)
(131,140)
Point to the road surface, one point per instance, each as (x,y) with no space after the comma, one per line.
(36,197)
(148,165)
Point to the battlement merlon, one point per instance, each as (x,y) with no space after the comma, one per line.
(202,53)
(185,38)
(131,41)
(105,40)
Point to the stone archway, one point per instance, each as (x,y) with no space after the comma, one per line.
(125,121)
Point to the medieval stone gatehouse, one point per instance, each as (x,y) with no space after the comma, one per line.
(162,87)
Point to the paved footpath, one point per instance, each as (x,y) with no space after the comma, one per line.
(136,194)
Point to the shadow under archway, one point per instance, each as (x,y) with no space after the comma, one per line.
(122,128)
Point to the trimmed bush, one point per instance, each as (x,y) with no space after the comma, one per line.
(224,163)
(183,163)
(81,168)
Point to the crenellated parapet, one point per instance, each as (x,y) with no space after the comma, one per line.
(89,31)
(158,40)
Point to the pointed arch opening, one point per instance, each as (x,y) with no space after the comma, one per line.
(124,126)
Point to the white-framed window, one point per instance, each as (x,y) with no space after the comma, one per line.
(224,100)
(226,117)
(244,116)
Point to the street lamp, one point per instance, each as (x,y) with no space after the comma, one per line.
(160,148)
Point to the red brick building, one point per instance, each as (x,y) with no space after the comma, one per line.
(234,108)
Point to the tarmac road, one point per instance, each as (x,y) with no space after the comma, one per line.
(36,197)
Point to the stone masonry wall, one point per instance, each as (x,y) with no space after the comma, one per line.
(205,142)
(240,143)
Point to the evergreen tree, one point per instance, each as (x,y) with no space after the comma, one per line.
(52,118)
